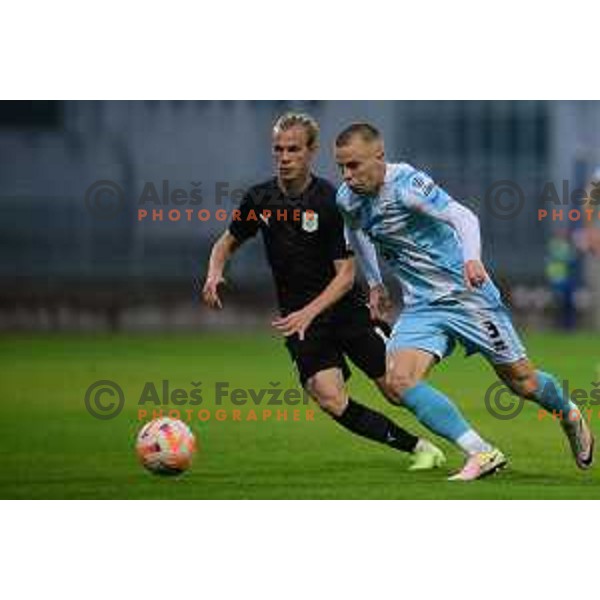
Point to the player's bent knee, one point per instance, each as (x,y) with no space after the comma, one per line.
(405,369)
(521,377)
(332,402)
(524,386)
(530,387)
(387,391)
(329,397)
(397,383)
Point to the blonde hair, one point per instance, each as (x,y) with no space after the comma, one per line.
(292,119)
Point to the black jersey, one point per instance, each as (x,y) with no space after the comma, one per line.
(302,236)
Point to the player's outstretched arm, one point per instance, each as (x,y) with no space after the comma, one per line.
(300,320)
(221,252)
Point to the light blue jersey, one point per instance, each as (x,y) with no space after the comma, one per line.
(405,222)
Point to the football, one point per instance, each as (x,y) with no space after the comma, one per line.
(166,446)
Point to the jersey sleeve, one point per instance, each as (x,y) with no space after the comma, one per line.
(366,255)
(243,227)
(420,193)
(347,207)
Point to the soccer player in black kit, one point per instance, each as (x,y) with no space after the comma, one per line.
(312,266)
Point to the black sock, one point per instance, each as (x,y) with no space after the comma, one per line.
(373,425)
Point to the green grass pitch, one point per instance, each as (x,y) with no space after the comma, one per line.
(53,448)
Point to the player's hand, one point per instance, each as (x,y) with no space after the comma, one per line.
(210,292)
(475,274)
(296,322)
(380,303)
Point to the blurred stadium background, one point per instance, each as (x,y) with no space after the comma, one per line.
(62,268)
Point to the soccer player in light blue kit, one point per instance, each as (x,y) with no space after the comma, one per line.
(431,243)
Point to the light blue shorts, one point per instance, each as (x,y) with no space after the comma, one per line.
(436,328)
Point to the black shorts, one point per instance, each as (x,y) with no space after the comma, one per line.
(344,334)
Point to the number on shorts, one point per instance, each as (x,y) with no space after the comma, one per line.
(492,329)
(494,333)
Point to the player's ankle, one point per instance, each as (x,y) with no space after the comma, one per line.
(471,442)
(422,445)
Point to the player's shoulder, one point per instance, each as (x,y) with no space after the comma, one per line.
(323,184)
(405,178)
(400,173)
(263,186)
(324,188)
(320,186)
(344,196)
(348,202)
(322,197)
(262,191)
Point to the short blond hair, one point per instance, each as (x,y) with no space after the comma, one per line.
(292,119)
(366,131)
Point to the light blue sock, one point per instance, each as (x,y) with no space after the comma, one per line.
(550,395)
(436,411)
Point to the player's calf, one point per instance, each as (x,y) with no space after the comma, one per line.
(328,389)
(403,385)
(544,389)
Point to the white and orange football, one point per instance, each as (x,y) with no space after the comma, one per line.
(166,446)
